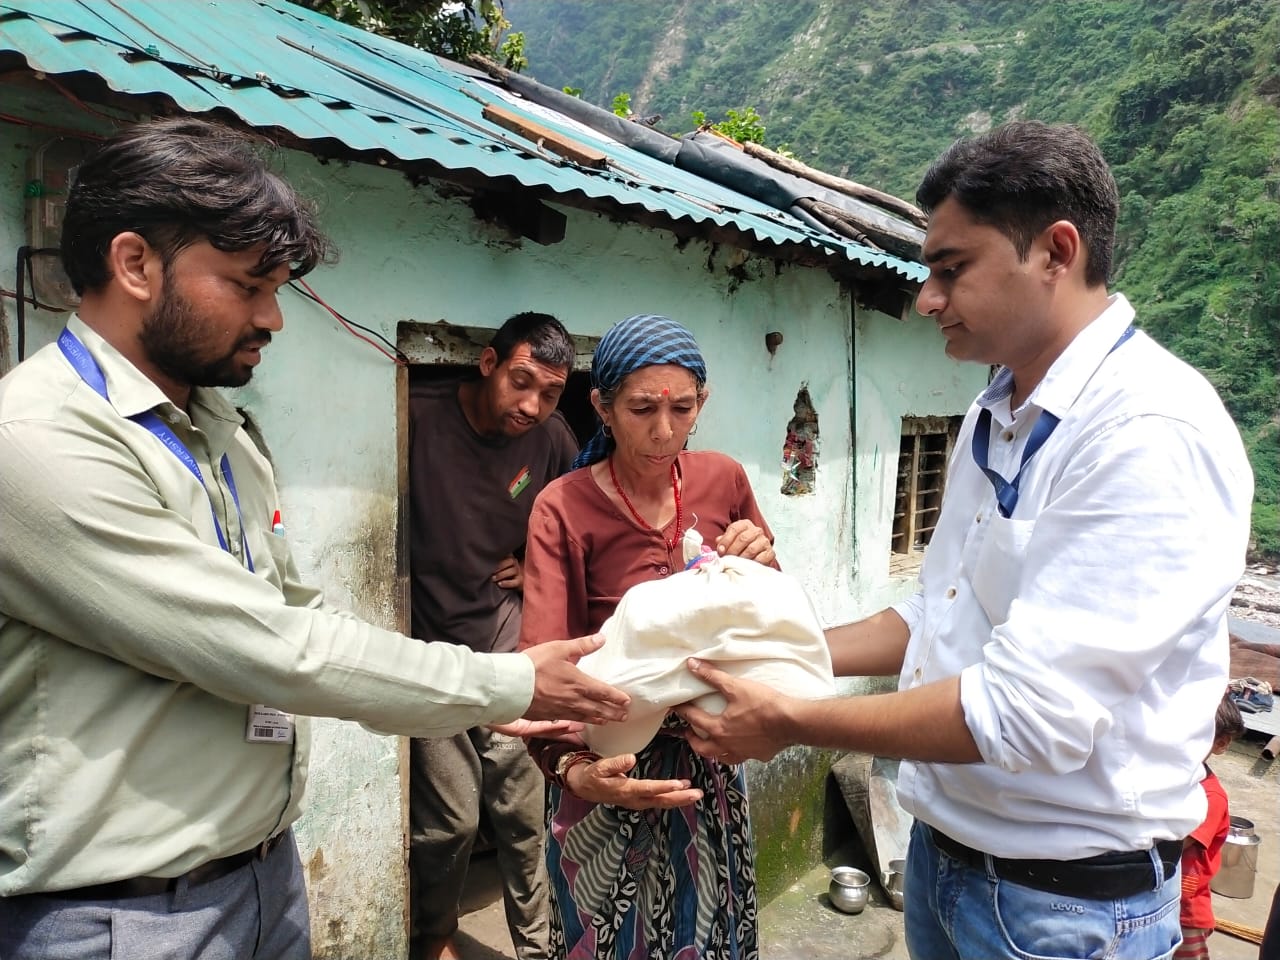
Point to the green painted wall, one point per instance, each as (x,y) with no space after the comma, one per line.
(900,370)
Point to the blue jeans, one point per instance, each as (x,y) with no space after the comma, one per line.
(956,912)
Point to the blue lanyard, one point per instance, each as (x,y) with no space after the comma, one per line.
(83,363)
(1007,490)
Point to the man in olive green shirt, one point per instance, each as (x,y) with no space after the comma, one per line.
(158,654)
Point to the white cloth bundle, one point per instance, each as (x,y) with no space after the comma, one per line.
(744,618)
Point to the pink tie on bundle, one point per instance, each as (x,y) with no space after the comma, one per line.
(742,617)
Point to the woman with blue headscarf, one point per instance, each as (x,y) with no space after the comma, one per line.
(649,854)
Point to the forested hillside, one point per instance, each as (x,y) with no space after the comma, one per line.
(1183,97)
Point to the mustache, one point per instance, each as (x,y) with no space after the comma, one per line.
(254,342)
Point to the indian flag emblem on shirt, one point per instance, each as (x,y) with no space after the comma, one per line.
(516,486)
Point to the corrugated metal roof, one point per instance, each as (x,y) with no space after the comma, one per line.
(274,64)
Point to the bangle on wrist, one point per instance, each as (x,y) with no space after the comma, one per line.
(568,762)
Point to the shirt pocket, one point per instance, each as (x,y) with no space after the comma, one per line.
(998,569)
(276,569)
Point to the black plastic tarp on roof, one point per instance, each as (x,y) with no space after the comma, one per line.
(720,161)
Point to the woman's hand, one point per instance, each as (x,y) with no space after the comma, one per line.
(606,781)
(742,538)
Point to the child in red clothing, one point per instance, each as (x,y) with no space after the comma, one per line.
(1202,851)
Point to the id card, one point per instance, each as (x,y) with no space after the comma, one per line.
(268,725)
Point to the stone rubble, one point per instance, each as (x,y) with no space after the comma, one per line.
(1257,596)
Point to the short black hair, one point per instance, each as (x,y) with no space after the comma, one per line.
(1023,176)
(176,182)
(549,342)
(1228,722)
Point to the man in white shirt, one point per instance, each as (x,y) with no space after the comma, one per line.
(1060,666)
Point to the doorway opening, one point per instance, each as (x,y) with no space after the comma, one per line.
(439,352)
(575,401)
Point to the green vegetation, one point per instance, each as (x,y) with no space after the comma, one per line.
(743,125)
(511,51)
(1182,96)
(452,28)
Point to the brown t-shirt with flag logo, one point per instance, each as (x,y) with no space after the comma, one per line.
(470,498)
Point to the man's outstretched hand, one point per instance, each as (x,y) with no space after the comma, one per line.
(563,692)
(751,726)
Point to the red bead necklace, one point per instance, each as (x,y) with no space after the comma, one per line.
(675,492)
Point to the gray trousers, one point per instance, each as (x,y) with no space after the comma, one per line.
(450,780)
(258,912)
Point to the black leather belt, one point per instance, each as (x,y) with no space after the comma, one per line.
(150,886)
(1108,876)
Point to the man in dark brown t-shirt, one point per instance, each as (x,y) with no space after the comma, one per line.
(480,450)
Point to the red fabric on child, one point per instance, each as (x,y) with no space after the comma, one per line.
(1202,857)
(1194,946)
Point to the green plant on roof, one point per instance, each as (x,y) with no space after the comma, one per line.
(745,125)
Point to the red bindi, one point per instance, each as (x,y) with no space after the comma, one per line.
(665,391)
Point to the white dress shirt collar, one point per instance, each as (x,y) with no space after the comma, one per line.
(1068,374)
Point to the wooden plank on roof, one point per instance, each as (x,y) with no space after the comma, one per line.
(552,140)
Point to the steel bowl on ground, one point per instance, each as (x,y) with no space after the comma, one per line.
(849,889)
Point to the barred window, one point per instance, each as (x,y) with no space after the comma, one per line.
(923,455)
